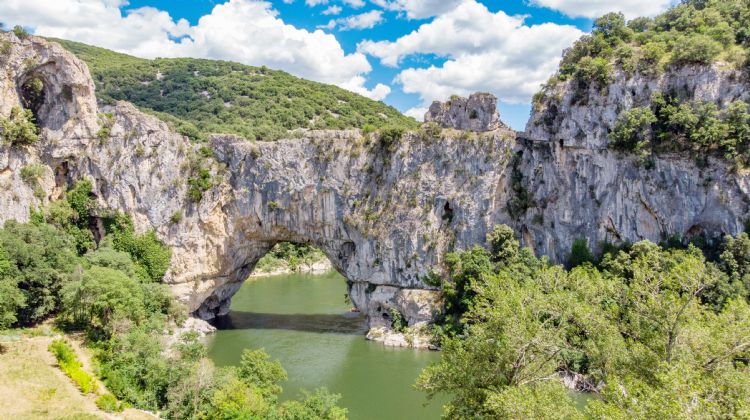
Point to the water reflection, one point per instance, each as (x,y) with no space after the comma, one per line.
(347,323)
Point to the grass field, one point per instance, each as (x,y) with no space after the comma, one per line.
(33,387)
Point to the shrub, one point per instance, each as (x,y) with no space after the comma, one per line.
(696,49)
(151,256)
(31,173)
(19,127)
(596,70)
(106,121)
(199,184)
(398,323)
(580,253)
(176,217)
(390,136)
(109,403)
(632,130)
(20,32)
(68,362)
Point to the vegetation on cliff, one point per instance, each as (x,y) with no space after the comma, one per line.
(693,32)
(668,125)
(110,289)
(200,97)
(657,333)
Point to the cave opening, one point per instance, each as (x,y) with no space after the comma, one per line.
(33,94)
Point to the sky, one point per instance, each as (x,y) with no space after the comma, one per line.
(406,53)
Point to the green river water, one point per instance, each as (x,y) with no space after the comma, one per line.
(303,321)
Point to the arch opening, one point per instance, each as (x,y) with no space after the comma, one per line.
(33,93)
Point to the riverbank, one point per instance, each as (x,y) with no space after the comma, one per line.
(282,268)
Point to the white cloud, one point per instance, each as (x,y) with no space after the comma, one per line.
(485,51)
(416,113)
(419,9)
(357,85)
(333,10)
(362,21)
(247,31)
(596,8)
(312,3)
(356,4)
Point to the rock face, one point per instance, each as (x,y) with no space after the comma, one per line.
(580,189)
(478,112)
(384,213)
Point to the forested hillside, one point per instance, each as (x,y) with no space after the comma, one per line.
(200,97)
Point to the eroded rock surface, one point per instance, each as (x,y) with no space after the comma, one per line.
(478,112)
(384,214)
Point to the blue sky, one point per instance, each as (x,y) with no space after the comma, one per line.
(403,52)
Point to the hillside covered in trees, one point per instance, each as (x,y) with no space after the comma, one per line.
(200,97)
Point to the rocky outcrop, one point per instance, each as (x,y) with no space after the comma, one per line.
(384,213)
(577,188)
(478,112)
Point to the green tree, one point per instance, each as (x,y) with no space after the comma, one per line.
(41,264)
(632,131)
(151,257)
(103,296)
(320,405)
(11,298)
(256,369)
(580,253)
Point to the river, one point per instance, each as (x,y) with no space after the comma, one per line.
(303,321)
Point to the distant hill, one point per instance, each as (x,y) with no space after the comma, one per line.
(199,97)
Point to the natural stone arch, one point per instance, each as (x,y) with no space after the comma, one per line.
(388,202)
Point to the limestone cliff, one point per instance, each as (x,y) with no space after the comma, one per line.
(581,189)
(384,209)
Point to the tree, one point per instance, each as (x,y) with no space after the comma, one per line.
(580,253)
(632,131)
(320,405)
(515,332)
(11,297)
(256,369)
(735,261)
(101,296)
(41,264)
(696,49)
(613,27)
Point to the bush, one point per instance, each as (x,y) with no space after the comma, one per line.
(20,32)
(580,253)
(596,70)
(151,256)
(68,362)
(398,323)
(30,174)
(176,217)
(389,138)
(109,403)
(696,49)
(199,184)
(19,127)
(632,130)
